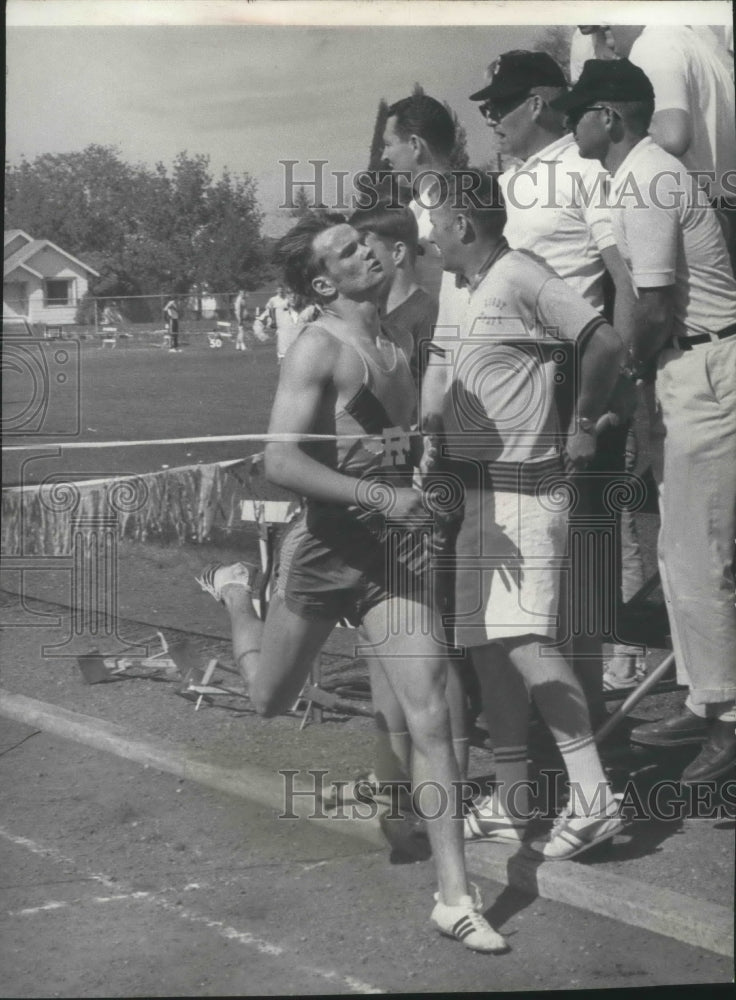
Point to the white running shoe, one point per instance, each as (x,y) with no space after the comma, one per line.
(483,822)
(571,835)
(465,922)
(215,576)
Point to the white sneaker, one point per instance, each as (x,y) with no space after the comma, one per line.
(466,923)
(571,835)
(483,822)
(215,576)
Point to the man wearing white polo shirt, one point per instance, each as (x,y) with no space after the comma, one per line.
(555,204)
(500,427)
(685,316)
(693,105)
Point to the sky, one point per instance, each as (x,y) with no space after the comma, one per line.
(247,95)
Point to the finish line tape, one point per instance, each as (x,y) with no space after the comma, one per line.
(391,432)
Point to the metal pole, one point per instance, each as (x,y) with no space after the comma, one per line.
(635,697)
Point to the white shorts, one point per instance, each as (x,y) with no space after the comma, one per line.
(509,557)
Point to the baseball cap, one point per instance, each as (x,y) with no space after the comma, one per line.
(606,80)
(516,72)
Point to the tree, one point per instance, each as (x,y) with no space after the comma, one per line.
(556,43)
(459,154)
(302,204)
(375,160)
(144,229)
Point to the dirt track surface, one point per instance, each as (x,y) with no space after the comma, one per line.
(121,881)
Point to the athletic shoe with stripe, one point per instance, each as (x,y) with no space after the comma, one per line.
(466,923)
(483,822)
(571,835)
(216,575)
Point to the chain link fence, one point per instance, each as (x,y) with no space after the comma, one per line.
(141,317)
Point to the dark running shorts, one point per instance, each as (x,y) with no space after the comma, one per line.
(336,564)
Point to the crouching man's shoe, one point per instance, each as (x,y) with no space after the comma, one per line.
(717,757)
(465,922)
(673,732)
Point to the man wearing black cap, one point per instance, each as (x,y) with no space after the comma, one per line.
(556,209)
(685,315)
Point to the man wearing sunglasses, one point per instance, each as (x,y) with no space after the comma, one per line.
(555,205)
(685,316)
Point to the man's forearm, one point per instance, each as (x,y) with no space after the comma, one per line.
(434,388)
(600,365)
(645,323)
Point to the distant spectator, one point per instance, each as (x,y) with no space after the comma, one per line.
(280,311)
(242,312)
(171,314)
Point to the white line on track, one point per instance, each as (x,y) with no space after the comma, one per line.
(226,931)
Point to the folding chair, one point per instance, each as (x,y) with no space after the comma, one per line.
(109,336)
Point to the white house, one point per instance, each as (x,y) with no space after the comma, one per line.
(42,282)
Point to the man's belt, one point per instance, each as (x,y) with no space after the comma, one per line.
(687,343)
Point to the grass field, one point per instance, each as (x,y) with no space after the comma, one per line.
(135,392)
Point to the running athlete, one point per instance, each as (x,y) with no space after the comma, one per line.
(353,552)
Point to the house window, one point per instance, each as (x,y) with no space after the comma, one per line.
(59,292)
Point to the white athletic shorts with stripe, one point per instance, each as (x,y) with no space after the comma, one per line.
(509,557)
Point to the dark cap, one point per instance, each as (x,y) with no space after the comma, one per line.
(516,72)
(606,80)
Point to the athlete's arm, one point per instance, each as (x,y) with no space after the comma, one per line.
(306,374)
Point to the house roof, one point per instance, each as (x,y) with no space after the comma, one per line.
(23,256)
(11,234)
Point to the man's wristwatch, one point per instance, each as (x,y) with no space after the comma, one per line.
(586,425)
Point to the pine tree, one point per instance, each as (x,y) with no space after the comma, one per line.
(459,154)
(556,43)
(376,153)
(301,203)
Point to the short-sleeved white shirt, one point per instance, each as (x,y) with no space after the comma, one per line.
(556,208)
(504,358)
(429,264)
(687,74)
(582,48)
(436,282)
(669,236)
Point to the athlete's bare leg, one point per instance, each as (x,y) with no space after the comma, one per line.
(274,657)
(416,669)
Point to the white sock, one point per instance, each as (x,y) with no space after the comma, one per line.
(590,791)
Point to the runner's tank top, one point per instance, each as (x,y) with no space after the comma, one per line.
(386,399)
